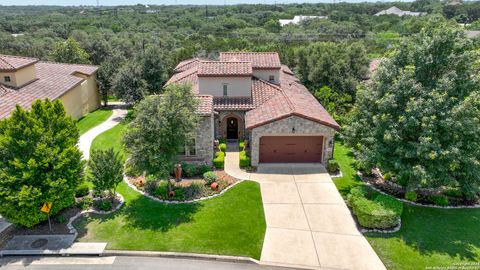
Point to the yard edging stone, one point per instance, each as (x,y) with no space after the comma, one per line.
(92,211)
(132,186)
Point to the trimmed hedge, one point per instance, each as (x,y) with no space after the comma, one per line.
(223,147)
(332,166)
(244,159)
(241,145)
(374,210)
(219,160)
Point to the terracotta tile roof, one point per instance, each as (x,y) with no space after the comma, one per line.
(259,60)
(295,99)
(188,76)
(224,68)
(187,64)
(53,81)
(262,91)
(205,106)
(12,63)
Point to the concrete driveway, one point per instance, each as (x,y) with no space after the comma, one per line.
(308,223)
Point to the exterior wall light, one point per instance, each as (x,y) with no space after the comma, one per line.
(293,129)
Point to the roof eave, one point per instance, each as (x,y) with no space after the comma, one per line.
(331,125)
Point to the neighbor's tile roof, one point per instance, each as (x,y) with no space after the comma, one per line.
(295,99)
(259,60)
(224,68)
(187,64)
(12,63)
(53,81)
(189,76)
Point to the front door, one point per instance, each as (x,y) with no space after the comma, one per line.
(232,128)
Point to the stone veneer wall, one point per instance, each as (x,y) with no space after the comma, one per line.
(204,143)
(283,127)
(220,123)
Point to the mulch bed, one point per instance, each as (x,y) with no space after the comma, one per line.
(223,175)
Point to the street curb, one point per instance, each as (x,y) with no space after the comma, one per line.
(180,255)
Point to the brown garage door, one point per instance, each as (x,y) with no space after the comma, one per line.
(291,149)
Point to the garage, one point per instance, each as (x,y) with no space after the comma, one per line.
(291,149)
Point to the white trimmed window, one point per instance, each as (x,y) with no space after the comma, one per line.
(190,149)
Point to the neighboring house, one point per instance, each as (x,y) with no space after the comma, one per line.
(299,19)
(254,97)
(23,80)
(398,12)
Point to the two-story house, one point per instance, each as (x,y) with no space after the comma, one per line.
(24,79)
(251,95)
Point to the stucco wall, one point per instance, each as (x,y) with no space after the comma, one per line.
(204,142)
(264,74)
(303,127)
(20,77)
(237,86)
(83,98)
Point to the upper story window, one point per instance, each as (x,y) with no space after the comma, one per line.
(7,79)
(225,89)
(271,78)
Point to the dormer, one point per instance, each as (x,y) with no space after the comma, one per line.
(17,71)
(265,65)
(225,78)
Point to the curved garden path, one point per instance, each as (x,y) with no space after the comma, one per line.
(119,113)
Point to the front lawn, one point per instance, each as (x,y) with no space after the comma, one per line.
(428,237)
(93,119)
(231,224)
(111,138)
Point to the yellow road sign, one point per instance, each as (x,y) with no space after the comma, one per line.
(46,207)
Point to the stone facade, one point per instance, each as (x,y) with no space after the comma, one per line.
(284,127)
(203,142)
(221,123)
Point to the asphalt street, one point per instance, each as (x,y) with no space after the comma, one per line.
(123,262)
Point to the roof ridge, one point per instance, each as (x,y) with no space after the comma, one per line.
(68,64)
(249,52)
(3,60)
(267,82)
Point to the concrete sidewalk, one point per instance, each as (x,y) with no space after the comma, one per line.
(119,113)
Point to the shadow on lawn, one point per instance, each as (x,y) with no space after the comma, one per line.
(144,213)
(445,231)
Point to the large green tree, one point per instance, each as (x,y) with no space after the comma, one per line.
(39,162)
(128,84)
(162,124)
(70,52)
(420,118)
(106,169)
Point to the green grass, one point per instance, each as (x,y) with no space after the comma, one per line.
(111,138)
(93,119)
(428,237)
(231,224)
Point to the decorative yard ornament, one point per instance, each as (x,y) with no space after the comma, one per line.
(178,172)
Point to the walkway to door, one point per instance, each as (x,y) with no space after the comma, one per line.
(308,223)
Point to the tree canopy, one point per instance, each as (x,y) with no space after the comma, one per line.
(420,117)
(70,52)
(39,162)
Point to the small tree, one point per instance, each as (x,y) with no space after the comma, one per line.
(39,162)
(162,125)
(69,51)
(106,170)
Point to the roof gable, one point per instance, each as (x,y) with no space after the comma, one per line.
(12,63)
(259,60)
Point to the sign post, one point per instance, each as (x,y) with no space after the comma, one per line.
(46,209)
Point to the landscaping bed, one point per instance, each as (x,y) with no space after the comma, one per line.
(443,197)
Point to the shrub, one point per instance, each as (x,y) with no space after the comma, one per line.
(244,159)
(61,219)
(332,166)
(391,203)
(219,161)
(131,171)
(203,169)
(179,194)
(189,170)
(223,184)
(194,191)
(440,200)
(241,145)
(151,186)
(411,196)
(387,176)
(85,203)
(453,192)
(161,190)
(223,147)
(104,205)
(371,214)
(210,177)
(82,190)
(222,140)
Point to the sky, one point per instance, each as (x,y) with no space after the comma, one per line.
(169,2)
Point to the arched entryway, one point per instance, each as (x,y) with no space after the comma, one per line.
(232,128)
